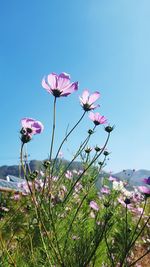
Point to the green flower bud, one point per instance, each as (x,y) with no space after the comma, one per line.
(46,164)
(106,153)
(109,129)
(90,131)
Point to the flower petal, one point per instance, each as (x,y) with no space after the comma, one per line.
(92,107)
(92,116)
(45,85)
(26,122)
(52,80)
(93,97)
(85,96)
(70,89)
(63,80)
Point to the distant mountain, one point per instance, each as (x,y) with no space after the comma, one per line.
(35,165)
(133,177)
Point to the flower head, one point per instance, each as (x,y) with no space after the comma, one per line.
(94,205)
(145,190)
(87,101)
(29,128)
(105,190)
(59,85)
(97,118)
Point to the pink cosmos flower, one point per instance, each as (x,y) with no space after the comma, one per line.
(31,126)
(68,175)
(94,205)
(112,179)
(145,190)
(87,101)
(97,118)
(59,85)
(105,190)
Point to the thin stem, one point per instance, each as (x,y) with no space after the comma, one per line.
(53,130)
(81,148)
(109,252)
(131,241)
(96,246)
(70,227)
(55,233)
(5,249)
(21,159)
(138,221)
(133,263)
(63,141)
(80,176)
(126,232)
(44,245)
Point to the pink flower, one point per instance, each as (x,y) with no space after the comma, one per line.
(87,101)
(32,126)
(97,118)
(105,190)
(78,187)
(29,128)
(145,190)
(59,85)
(112,179)
(94,205)
(69,175)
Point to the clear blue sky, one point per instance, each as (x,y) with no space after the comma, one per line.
(105,45)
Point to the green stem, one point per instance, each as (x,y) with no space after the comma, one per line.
(70,227)
(80,176)
(138,222)
(133,263)
(81,148)
(53,130)
(66,139)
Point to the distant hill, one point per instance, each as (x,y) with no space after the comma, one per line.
(132,176)
(34,165)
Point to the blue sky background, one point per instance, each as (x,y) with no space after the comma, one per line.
(105,45)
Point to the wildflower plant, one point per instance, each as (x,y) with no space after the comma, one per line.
(58,216)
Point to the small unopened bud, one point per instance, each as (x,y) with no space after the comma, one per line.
(25,138)
(33,175)
(46,164)
(97,149)
(88,150)
(106,153)
(106,204)
(100,163)
(90,131)
(109,129)
(127,201)
(23,131)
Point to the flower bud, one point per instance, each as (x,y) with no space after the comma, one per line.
(100,163)
(106,204)
(25,138)
(46,164)
(90,131)
(127,201)
(106,153)
(109,129)
(33,175)
(97,149)
(88,150)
